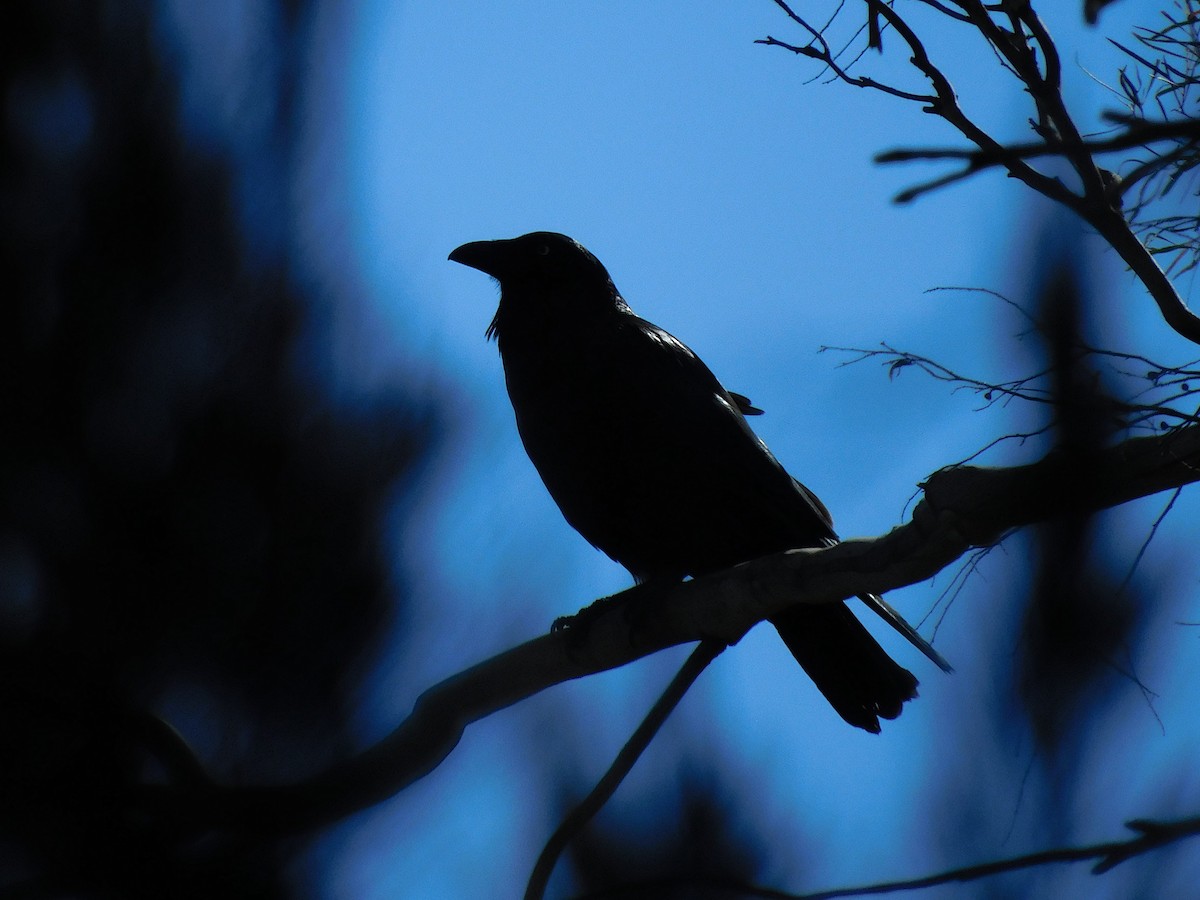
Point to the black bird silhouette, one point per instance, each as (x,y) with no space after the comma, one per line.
(652,461)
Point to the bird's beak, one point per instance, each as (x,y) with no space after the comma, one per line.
(486,256)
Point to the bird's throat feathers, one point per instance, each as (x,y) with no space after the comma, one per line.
(549,314)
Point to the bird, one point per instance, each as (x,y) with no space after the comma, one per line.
(652,460)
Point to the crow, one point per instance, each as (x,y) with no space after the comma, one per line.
(652,461)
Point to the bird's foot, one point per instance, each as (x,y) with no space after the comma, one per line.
(579,623)
(636,605)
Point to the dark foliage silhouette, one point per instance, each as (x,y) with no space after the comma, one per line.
(1079,618)
(186,525)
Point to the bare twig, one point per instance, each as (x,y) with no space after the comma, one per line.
(991,392)
(1149,836)
(1152,404)
(630,753)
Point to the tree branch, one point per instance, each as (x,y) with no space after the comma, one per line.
(1149,836)
(1135,134)
(962,508)
(1019,38)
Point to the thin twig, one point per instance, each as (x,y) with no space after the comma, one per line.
(1026,48)
(1149,836)
(704,654)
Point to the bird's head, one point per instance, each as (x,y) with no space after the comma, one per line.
(542,273)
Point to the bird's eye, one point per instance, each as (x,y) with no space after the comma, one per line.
(544,250)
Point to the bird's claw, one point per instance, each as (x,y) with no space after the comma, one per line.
(582,620)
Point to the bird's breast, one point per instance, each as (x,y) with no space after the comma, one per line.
(645,454)
(566,397)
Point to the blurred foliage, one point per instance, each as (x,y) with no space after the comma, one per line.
(1079,617)
(693,842)
(188,525)
(1062,644)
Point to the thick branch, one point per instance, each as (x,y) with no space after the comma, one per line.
(963,507)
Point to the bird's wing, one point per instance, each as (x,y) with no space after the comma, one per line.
(768,489)
(745,407)
(742,469)
(817,505)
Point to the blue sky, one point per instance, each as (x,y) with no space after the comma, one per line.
(735,203)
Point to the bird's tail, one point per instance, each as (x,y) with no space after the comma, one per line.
(886,612)
(846,663)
